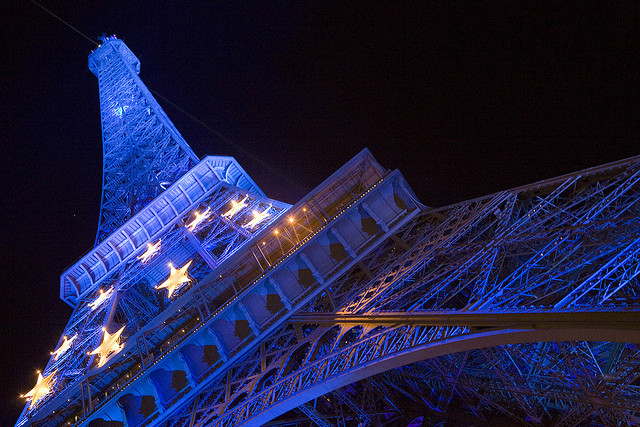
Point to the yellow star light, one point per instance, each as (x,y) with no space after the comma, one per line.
(176,278)
(101,298)
(235,207)
(151,251)
(63,347)
(110,344)
(200,218)
(258,217)
(41,389)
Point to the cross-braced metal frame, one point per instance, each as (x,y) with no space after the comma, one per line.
(467,280)
(358,306)
(143,152)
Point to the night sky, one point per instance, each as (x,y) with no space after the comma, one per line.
(465,99)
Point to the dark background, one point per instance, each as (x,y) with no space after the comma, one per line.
(465,99)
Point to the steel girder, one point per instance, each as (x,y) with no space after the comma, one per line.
(566,246)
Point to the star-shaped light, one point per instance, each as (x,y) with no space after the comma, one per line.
(110,344)
(152,249)
(176,278)
(235,207)
(199,219)
(63,347)
(101,298)
(41,389)
(258,217)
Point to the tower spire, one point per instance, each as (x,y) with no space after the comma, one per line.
(143,152)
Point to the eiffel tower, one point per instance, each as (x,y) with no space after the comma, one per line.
(205,303)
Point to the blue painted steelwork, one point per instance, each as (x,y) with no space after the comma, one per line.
(143,152)
(150,223)
(320,312)
(566,246)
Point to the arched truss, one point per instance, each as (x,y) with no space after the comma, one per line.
(457,389)
(374,351)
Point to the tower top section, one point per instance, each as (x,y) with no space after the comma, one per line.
(105,53)
(143,152)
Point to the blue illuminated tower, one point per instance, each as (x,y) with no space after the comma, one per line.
(206,303)
(143,152)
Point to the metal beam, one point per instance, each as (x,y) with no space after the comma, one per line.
(626,320)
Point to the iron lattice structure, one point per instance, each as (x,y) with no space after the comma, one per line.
(359,306)
(143,153)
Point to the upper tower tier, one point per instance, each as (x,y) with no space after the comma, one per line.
(143,152)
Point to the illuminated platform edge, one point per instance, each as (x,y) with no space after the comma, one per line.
(149,223)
